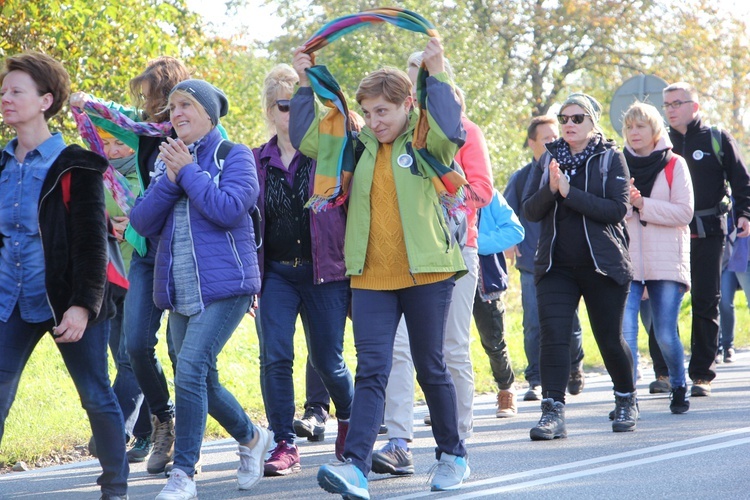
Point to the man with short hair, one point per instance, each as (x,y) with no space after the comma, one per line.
(541,130)
(711,169)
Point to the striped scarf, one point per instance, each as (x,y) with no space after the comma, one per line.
(336,163)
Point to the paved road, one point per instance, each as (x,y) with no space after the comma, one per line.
(704,453)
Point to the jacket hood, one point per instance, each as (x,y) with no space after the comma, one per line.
(663,143)
(75,155)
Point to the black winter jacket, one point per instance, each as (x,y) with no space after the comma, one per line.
(603,207)
(708,174)
(75,241)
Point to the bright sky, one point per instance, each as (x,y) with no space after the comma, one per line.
(261,22)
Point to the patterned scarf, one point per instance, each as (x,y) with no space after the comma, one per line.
(570,163)
(336,160)
(114,181)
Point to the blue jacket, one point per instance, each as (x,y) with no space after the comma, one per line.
(326,228)
(499,227)
(220,227)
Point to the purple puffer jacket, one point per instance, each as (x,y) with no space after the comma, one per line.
(326,228)
(220,225)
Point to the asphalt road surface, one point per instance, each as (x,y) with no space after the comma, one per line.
(704,453)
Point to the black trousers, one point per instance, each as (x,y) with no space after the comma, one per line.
(705,289)
(558,294)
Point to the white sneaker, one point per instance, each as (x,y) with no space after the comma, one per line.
(448,473)
(179,487)
(252,459)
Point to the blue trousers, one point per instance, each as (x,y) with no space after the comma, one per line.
(375,317)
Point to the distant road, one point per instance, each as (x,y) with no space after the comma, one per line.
(704,453)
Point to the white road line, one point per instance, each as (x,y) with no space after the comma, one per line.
(598,460)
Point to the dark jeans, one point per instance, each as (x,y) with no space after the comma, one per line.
(86,361)
(558,294)
(141,321)
(127,391)
(316,395)
(375,318)
(286,289)
(705,272)
(531,332)
(488,316)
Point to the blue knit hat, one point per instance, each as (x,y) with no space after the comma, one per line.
(211,98)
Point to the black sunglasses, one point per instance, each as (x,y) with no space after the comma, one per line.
(283,105)
(577,119)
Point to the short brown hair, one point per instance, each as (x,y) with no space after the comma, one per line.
(536,122)
(162,74)
(689,89)
(391,83)
(48,74)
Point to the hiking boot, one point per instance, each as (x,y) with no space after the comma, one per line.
(162,438)
(341,439)
(700,388)
(576,381)
(392,459)
(284,460)
(506,404)
(660,386)
(626,413)
(140,450)
(311,426)
(448,473)
(680,401)
(427,419)
(179,487)
(252,458)
(345,479)
(552,423)
(534,393)
(729,355)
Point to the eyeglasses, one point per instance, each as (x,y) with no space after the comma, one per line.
(577,119)
(283,105)
(674,104)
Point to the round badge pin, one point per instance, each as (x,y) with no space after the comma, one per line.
(404,161)
(697,155)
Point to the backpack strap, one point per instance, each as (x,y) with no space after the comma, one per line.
(604,167)
(669,170)
(716,145)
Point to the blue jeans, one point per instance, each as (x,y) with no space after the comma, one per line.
(127,391)
(141,321)
(665,298)
(286,291)
(375,316)
(531,332)
(730,281)
(198,340)
(86,361)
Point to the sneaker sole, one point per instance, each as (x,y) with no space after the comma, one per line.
(699,393)
(538,436)
(333,483)
(266,438)
(506,414)
(618,427)
(283,472)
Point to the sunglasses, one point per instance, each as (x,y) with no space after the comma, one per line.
(577,119)
(283,105)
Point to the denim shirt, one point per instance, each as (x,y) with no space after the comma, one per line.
(21,255)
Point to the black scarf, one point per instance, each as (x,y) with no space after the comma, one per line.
(570,163)
(645,169)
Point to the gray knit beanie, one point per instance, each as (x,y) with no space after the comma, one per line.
(211,98)
(590,105)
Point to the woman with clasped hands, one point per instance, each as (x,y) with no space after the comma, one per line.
(581,198)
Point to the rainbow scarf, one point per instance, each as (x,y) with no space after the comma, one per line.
(336,162)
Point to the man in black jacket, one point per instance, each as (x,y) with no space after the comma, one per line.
(711,168)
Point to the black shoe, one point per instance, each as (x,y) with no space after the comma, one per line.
(680,401)
(626,413)
(534,393)
(113,497)
(576,382)
(729,355)
(392,459)
(311,425)
(552,423)
(383,429)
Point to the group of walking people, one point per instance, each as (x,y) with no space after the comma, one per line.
(407,239)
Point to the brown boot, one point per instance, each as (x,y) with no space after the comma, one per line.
(506,404)
(162,438)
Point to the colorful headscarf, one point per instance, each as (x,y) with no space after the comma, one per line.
(336,155)
(114,181)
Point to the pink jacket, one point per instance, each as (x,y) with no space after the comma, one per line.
(660,250)
(474,159)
